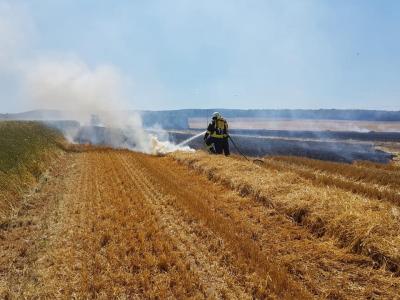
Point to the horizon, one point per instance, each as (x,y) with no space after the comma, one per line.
(156,56)
(207,109)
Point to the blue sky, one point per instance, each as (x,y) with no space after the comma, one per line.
(232,54)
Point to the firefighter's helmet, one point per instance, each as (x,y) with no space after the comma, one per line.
(216,115)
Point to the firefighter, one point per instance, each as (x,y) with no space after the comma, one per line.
(216,137)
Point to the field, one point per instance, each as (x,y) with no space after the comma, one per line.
(118,224)
(303,125)
(342,151)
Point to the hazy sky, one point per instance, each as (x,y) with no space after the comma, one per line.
(199,54)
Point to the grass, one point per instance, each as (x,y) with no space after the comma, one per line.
(393,167)
(26,149)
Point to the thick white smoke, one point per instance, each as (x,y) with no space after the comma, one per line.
(82,92)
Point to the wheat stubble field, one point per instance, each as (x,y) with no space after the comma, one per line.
(118,224)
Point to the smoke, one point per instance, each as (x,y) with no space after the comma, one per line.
(97,96)
(70,84)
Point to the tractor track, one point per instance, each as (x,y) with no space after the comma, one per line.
(118,224)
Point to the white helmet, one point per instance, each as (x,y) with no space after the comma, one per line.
(216,115)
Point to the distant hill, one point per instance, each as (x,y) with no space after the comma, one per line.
(178,119)
(35,115)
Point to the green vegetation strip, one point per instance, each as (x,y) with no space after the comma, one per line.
(26,150)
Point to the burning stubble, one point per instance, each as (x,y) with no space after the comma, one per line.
(95,97)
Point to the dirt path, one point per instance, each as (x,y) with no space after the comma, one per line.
(117,224)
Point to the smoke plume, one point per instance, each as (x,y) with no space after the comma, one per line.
(98,96)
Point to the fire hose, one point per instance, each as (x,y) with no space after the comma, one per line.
(241,153)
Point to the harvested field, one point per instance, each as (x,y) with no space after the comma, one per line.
(119,224)
(363,178)
(303,124)
(348,219)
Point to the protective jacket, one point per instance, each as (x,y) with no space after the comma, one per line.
(218,128)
